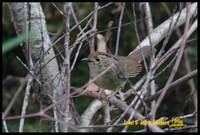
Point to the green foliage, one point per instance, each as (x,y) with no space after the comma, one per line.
(16,41)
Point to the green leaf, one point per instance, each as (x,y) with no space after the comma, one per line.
(14,42)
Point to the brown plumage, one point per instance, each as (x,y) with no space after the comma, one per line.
(122,67)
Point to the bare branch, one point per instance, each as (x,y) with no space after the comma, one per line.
(158,33)
(119,28)
(183,44)
(89,113)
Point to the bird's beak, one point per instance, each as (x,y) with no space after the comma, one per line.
(86,60)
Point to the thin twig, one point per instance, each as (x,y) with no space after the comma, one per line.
(148,17)
(107,115)
(79,48)
(30,67)
(66,67)
(191,84)
(138,38)
(109,32)
(119,28)
(25,103)
(5,125)
(22,84)
(175,46)
(174,70)
(94,26)
(24,65)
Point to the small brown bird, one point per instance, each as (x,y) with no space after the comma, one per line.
(121,67)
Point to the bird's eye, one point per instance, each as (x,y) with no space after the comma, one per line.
(97,59)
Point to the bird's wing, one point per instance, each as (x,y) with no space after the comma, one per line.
(128,67)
